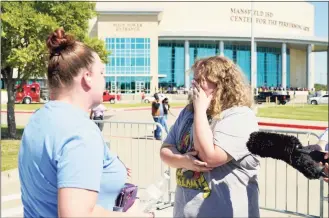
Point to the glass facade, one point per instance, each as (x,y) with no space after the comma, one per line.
(171,64)
(171,59)
(129,62)
(200,49)
(269,66)
(240,55)
(269,61)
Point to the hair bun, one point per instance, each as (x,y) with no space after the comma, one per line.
(58,41)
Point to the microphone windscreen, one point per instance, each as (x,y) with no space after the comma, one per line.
(285,148)
(273,145)
(316,154)
(306,165)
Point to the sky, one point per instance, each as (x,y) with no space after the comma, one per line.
(321,30)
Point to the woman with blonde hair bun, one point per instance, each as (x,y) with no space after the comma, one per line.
(216,174)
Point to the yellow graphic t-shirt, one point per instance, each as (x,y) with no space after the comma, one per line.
(189,179)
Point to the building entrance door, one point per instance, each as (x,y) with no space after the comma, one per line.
(140,86)
(113,88)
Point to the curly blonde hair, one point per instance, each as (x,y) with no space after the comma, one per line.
(232,88)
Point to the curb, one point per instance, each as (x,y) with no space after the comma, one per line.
(293,126)
(19,112)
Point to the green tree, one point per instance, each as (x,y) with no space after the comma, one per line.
(25,27)
(320,87)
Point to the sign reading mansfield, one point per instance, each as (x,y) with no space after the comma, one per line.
(262,17)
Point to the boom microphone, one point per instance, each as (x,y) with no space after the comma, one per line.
(288,149)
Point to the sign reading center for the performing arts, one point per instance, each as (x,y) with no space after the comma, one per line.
(262,17)
(127,27)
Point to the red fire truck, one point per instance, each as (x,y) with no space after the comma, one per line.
(27,93)
(107,96)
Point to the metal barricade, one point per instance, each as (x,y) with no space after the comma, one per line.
(283,189)
(135,145)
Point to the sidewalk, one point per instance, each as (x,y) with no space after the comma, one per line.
(11,206)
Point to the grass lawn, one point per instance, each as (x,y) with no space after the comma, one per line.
(9,149)
(9,154)
(305,112)
(27,107)
(33,107)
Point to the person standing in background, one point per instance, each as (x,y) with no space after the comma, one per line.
(97,113)
(322,145)
(157,113)
(142,95)
(166,110)
(326,168)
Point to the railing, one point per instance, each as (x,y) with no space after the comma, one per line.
(282,188)
(135,145)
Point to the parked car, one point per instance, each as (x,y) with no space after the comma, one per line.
(318,100)
(27,93)
(172,92)
(148,99)
(107,96)
(281,97)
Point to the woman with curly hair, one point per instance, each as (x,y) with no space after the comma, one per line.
(216,174)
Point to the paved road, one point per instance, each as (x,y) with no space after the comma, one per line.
(284,189)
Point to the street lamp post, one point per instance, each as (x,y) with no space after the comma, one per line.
(252,50)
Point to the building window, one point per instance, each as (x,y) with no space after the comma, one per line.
(240,54)
(269,67)
(171,67)
(128,84)
(269,63)
(202,49)
(129,57)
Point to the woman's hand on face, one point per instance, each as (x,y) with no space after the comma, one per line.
(201,101)
(192,163)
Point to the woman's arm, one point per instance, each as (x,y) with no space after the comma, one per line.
(74,202)
(203,142)
(171,156)
(78,180)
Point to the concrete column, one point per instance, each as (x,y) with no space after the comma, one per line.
(309,70)
(221,48)
(255,63)
(253,76)
(187,63)
(284,65)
